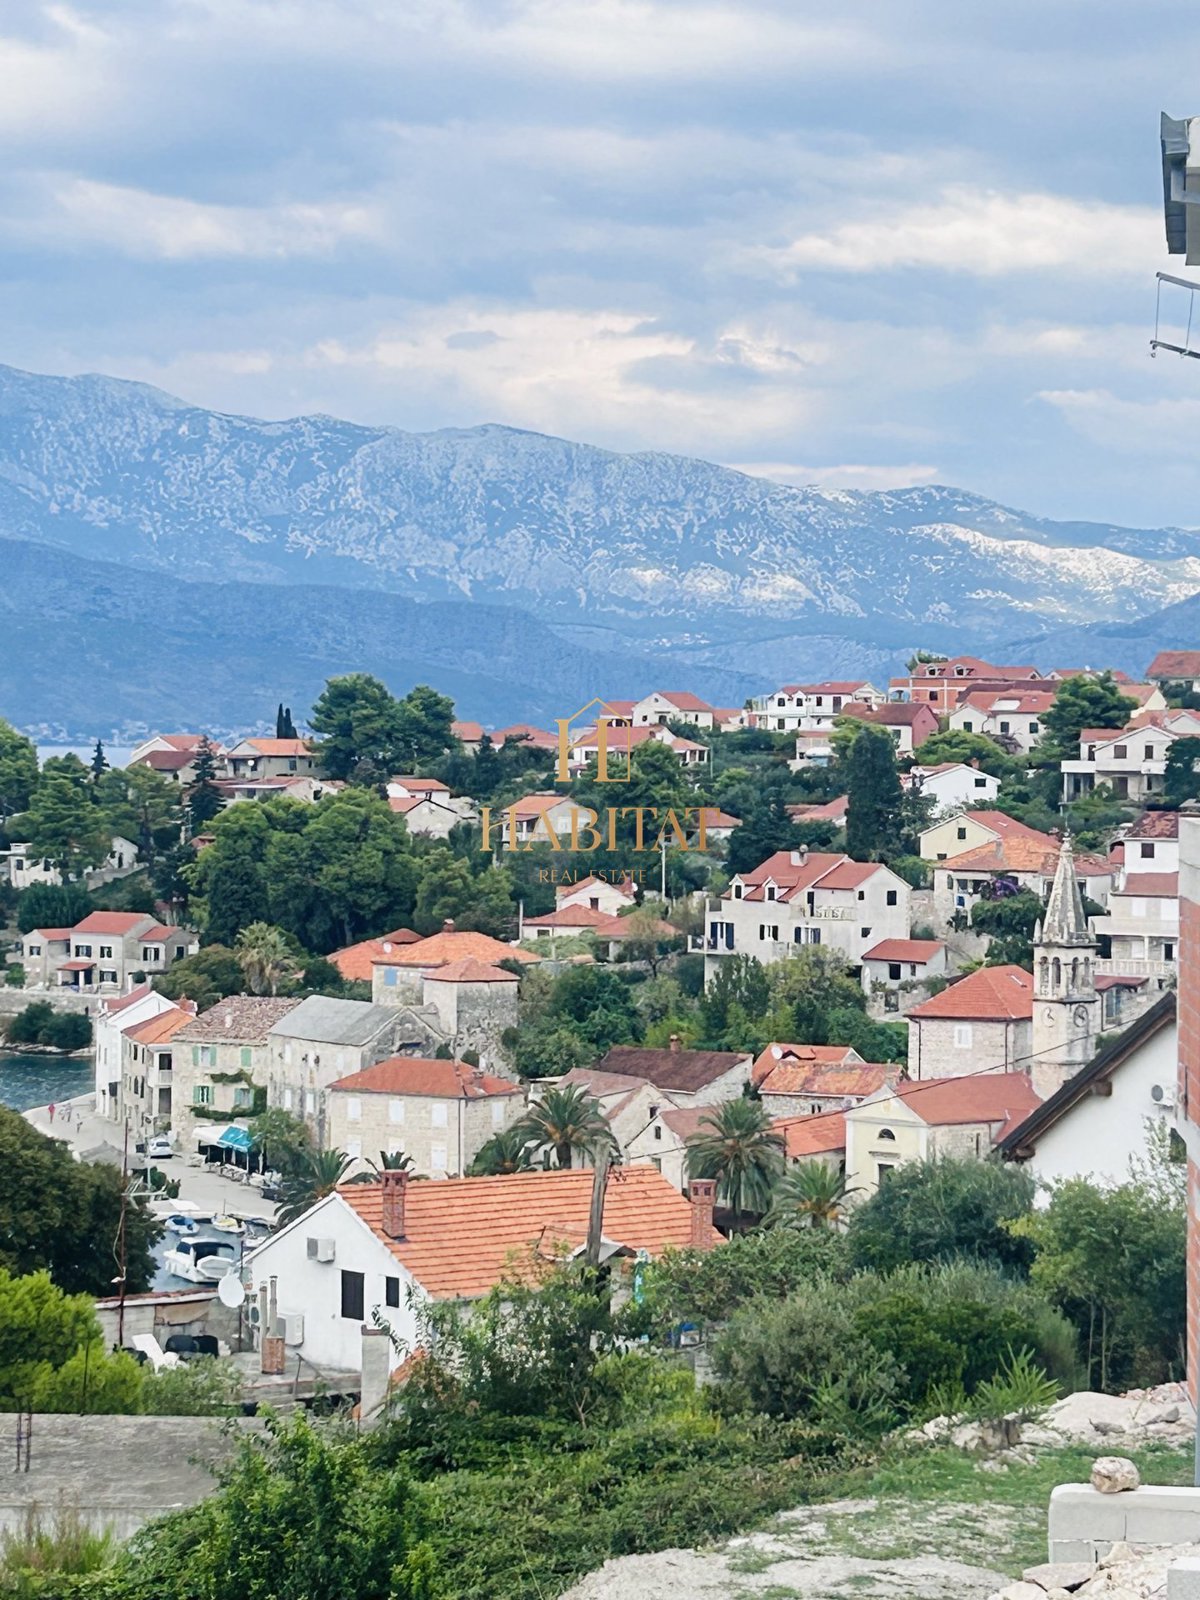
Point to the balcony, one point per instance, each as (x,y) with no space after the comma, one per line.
(1128,967)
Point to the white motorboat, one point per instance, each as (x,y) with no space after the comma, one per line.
(229,1224)
(200,1260)
(185,1227)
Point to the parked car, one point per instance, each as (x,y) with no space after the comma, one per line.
(160,1147)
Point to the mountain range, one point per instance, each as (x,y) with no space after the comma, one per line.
(238,559)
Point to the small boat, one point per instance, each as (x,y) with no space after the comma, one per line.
(229,1225)
(200,1260)
(184,1226)
(258,1229)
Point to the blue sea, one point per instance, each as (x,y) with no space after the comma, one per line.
(27,1081)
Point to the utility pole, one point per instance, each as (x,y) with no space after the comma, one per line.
(596,1216)
(121,1249)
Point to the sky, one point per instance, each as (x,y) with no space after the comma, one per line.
(873,244)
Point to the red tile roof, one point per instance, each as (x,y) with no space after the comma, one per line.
(794,870)
(280,747)
(77,966)
(162,1028)
(450,945)
(354,962)
(468,970)
(1005,1098)
(139,992)
(677,1071)
(854,1082)
(52,933)
(1155,825)
(118,923)
(832,811)
(426,1076)
(1170,664)
(468,732)
(166,760)
(824,1134)
(807,1056)
(918,950)
(1152,885)
(683,701)
(433,786)
(463,1235)
(526,734)
(989,994)
(1021,854)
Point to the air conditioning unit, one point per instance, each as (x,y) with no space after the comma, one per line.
(326,1249)
(1164,1097)
(293,1327)
(311,1246)
(254,1313)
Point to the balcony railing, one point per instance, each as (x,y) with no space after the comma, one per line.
(1125,967)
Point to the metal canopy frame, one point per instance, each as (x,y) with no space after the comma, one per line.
(1157,344)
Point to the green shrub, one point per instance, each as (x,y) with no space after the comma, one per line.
(944,1209)
(709,1285)
(1020,1387)
(14,975)
(37,1558)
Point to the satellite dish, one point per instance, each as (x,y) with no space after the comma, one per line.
(777,1052)
(230,1290)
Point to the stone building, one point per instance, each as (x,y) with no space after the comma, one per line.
(1067,1010)
(439,1113)
(317,1042)
(219,1066)
(981,1023)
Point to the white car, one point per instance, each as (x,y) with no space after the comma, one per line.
(160,1147)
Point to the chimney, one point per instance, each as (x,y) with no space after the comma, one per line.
(702,1197)
(448,925)
(394,1185)
(674,1043)
(803,854)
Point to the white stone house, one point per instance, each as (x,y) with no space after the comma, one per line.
(982,1023)
(899,968)
(377,1250)
(958,1116)
(598,894)
(23,870)
(113,1014)
(662,708)
(800,897)
(812,705)
(145,1100)
(952,836)
(220,1066)
(103,953)
(1097,1124)
(270,758)
(1014,717)
(438,1113)
(952,786)
(1131,760)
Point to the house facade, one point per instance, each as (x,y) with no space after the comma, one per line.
(660,708)
(952,786)
(942,684)
(270,758)
(689,1077)
(1016,719)
(145,1101)
(114,1013)
(982,1023)
(898,972)
(316,1042)
(1131,760)
(801,897)
(104,954)
(811,705)
(438,1113)
(220,1066)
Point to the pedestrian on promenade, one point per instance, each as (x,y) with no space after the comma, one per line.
(50,1109)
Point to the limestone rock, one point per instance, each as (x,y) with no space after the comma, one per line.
(1113,1475)
(1021,1591)
(1118,1553)
(1060,1574)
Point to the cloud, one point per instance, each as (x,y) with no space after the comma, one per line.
(1162,428)
(169,228)
(986,234)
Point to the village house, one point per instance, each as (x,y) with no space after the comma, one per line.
(814,1138)
(909,724)
(899,971)
(1176,669)
(1015,860)
(689,1077)
(270,758)
(438,1113)
(828,811)
(1131,761)
(1139,933)
(304,787)
(545,818)
(814,748)
(663,1140)
(968,830)
(954,1116)
(952,786)
(374,1251)
(1015,719)
(598,894)
(801,897)
(173,755)
(811,705)
(220,1067)
(629,1103)
(942,684)
(452,993)
(22,870)
(524,733)
(808,1079)
(428,807)
(144,1100)
(315,1043)
(982,1023)
(621,742)
(104,954)
(662,708)
(609,932)
(1098,1123)
(469,735)
(399,974)
(113,1014)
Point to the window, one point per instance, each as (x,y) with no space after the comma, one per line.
(106,952)
(353,1109)
(497,1113)
(737,891)
(353,1304)
(287,1053)
(981,783)
(894,970)
(391,1291)
(438,1114)
(288,1099)
(968,727)
(884,1171)
(886,1133)
(862,894)
(83,949)
(395,1110)
(437,1157)
(389,977)
(354,1148)
(107,977)
(769,892)
(1147,849)
(1005,727)
(1034,727)
(1168,950)
(35,949)
(1120,751)
(310,1102)
(1148,752)
(202,1094)
(893,897)
(658,1130)
(243,1098)
(864,933)
(247,1056)
(962,833)
(962,1035)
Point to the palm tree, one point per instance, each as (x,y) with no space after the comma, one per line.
(563,1121)
(265,957)
(315,1175)
(505,1152)
(811,1195)
(389,1161)
(736,1145)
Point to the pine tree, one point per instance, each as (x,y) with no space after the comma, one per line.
(99,761)
(204,798)
(285,728)
(874,819)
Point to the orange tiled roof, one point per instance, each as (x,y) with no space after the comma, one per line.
(158,1030)
(280,747)
(989,994)
(1019,854)
(824,1134)
(1006,1098)
(451,945)
(118,923)
(1175,664)
(807,1056)
(918,950)
(1152,885)
(354,961)
(428,1076)
(468,732)
(855,1081)
(468,970)
(462,1235)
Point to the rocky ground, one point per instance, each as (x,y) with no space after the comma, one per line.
(963,1520)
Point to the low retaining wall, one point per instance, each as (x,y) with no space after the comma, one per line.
(1085,1524)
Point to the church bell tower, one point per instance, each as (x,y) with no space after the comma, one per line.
(1066,1007)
